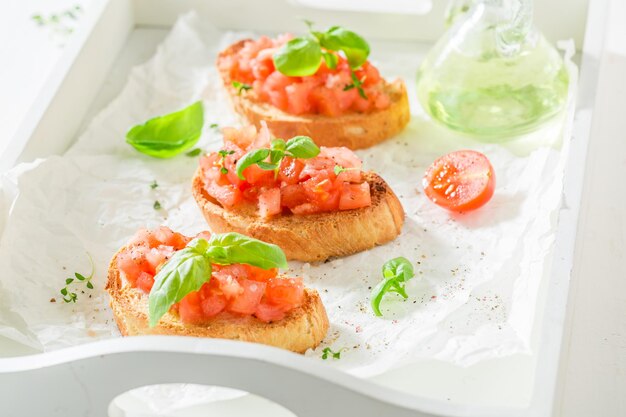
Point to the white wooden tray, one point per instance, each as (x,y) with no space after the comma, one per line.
(83,380)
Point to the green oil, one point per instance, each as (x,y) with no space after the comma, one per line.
(491,96)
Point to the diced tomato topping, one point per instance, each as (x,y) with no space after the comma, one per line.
(319,165)
(164,235)
(130,265)
(306,208)
(268,312)
(330,181)
(229,285)
(213,304)
(248,300)
(285,292)
(297,98)
(145,236)
(318,187)
(235,271)
(330,92)
(204,235)
(290,169)
(238,288)
(259,274)
(155,257)
(145,281)
(341,156)
(355,196)
(325,101)
(362,105)
(189,308)
(258,176)
(226,195)
(240,137)
(292,196)
(269,202)
(263,138)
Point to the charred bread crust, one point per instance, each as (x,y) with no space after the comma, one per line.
(302,328)
(312,237)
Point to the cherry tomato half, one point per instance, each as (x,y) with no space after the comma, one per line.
(460,181)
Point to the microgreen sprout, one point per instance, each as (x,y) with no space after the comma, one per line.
(223,154)
(338,169)
(328,352)
(356,83)
(241,87)
(70,296)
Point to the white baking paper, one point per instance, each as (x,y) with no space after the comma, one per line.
(477,275)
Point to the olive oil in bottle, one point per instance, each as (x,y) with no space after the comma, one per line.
(491,79)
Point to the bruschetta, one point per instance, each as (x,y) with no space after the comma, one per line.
(338,106)
(235,301)
(313,207)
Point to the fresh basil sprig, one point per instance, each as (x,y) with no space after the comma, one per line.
(302,56)
(301,147)
(396,273)
(169,135)
(189,268)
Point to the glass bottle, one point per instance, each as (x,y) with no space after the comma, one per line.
(492,75)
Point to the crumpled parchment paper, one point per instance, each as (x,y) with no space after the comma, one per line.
(477,275)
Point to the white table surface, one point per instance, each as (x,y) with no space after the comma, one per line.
(593,359)
(592,379)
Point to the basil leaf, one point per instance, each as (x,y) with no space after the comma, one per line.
(330,59)
(251,158)
(396,273)
(276,156)
(353,46)
(185,272)
(267,166)
(167,136)
(299,57)
(194,152)
(378,293)
(278,145)
(302,147)
(400,268)
(234,248)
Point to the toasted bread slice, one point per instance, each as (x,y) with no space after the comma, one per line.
(352,130)
(302,328)
(312,237)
